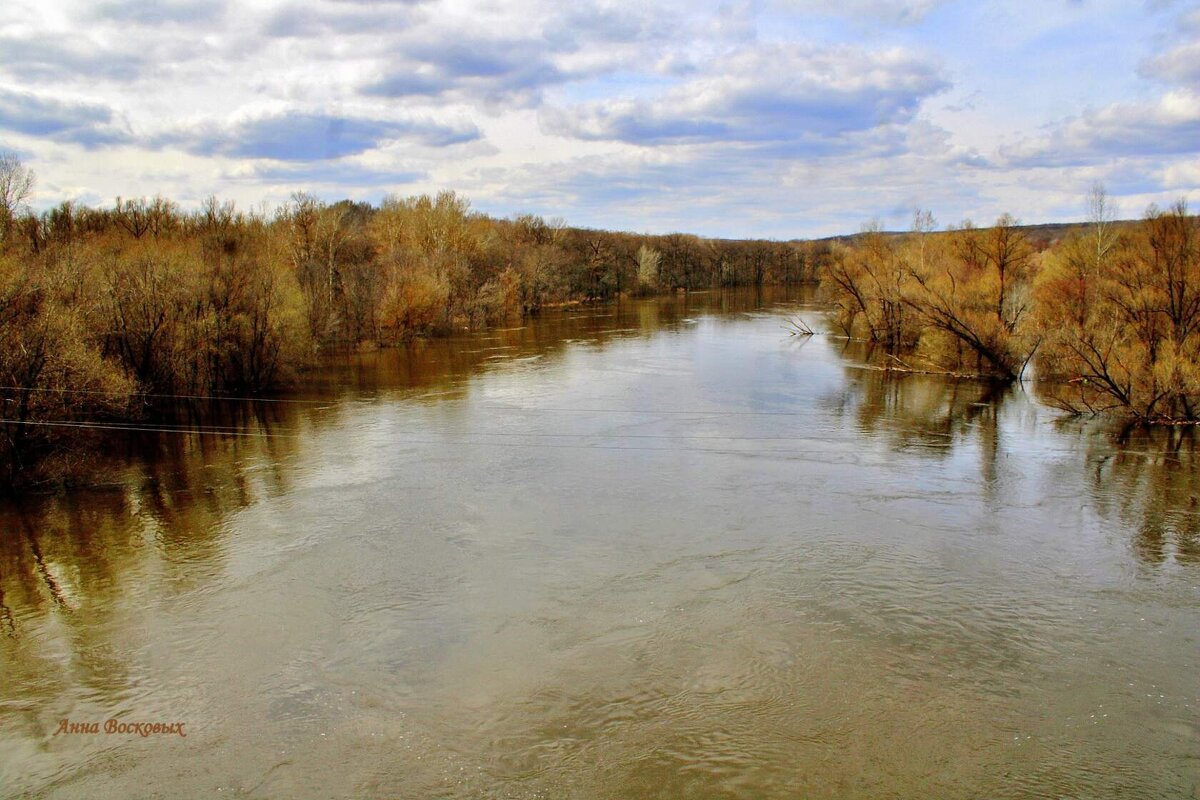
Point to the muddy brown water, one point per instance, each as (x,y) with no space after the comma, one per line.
(654,549)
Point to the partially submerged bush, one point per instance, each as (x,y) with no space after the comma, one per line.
(1123,328)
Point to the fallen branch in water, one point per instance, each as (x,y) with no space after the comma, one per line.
(908,369)
(945,373)
(798,327)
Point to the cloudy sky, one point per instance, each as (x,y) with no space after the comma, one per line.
(776,118)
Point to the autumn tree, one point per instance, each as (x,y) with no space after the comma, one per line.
(867,284)
(1134,342)
(147,300)
(973,294)
(53,376)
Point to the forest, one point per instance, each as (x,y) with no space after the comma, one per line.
(114,314)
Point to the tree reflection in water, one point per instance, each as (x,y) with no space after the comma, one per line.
(1149,479)
(1145,478)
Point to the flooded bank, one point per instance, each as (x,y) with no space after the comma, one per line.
(655,549)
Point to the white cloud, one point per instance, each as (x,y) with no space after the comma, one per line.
(813,99)
(1168,126)
(1182,176)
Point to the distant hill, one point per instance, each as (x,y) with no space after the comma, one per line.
(1046,233)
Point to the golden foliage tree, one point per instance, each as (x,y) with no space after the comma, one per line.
(53,377)
(1126,332)
(973,294)
(868,282)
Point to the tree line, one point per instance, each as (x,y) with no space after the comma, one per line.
(110,313)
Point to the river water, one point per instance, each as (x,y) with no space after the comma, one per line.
(655,549)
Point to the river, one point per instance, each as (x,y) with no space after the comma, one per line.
(654,549)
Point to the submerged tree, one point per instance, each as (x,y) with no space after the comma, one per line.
(1132,342)
(974,296)
(867,284)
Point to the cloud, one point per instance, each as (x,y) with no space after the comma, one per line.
(87,124)
(726,193)
(330,173)
(509,55)
(162,12)
(1169,126)
(1163,128)
(346,18)
(1179,65)
(48,59)
(1185,175)
(869,12)
(491,68)
(302,136)
(809,98)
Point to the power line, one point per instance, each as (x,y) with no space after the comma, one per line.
(248,399)
(234,430)
(148,428)
(824,453)
(651,411)
(507,406)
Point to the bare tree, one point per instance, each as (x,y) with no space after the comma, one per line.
(648,260)
(133,216)
(923,225)
(16,185)
(1101,216)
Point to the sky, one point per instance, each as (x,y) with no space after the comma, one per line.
(749,118)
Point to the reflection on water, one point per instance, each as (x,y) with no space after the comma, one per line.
(656,549)
(921,412)
(1150,480)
